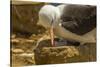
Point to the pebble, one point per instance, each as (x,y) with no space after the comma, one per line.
(17,51)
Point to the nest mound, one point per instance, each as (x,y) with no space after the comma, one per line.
(46,54)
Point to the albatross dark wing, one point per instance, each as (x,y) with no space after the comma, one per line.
(79,19)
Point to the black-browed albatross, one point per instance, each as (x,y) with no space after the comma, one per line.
(72,22)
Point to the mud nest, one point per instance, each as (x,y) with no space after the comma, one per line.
(64,53)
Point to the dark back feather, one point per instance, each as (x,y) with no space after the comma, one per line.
(79,19)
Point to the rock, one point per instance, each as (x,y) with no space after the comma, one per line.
(20,60)
(13,36)
(30,41)
(22,43)
(24,18)
(15,41)
(17,51)
(29,57)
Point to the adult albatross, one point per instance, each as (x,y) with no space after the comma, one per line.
(72,22)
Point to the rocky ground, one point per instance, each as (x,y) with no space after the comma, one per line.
(24,52)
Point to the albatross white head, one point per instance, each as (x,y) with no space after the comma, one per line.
(48,15)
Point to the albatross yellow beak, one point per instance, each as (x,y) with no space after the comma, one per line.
(52,35)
